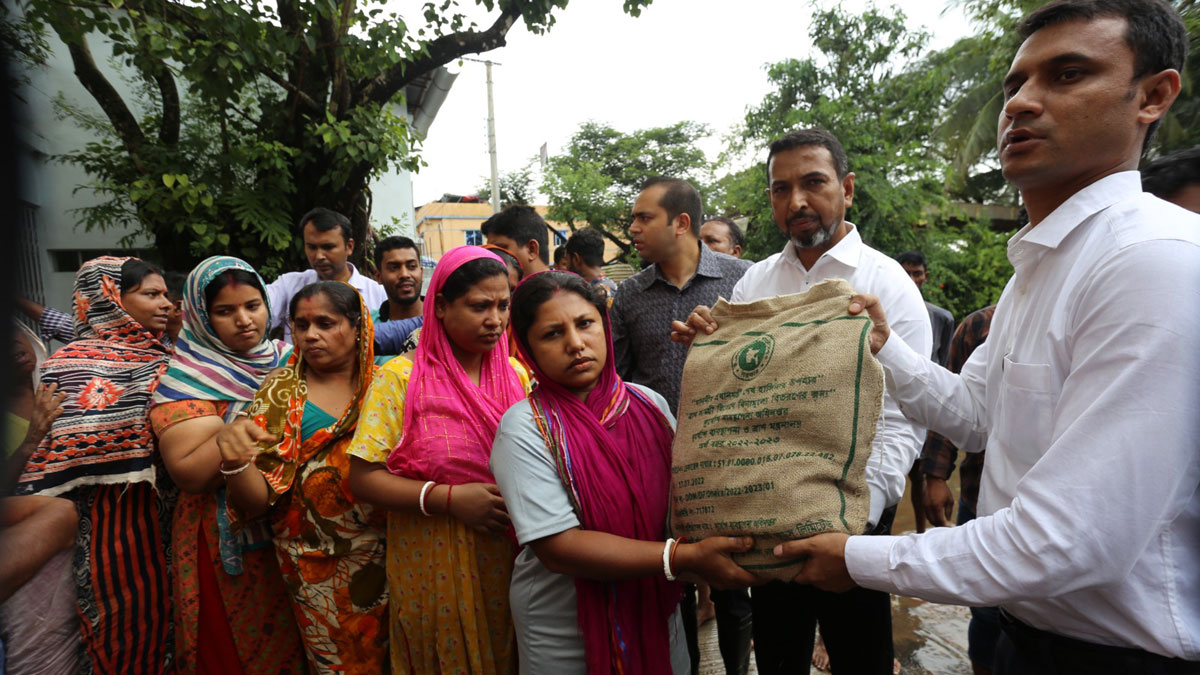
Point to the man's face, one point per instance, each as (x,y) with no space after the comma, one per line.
(327,251)
(715,235)
(521,253)
(652,232)
(1071,107)
(917,273)
(807,200)
(400,275)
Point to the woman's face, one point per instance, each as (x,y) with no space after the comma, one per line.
(475,321)
(567,341)
(325,337)
(148,303)
(239,316)
(23,355)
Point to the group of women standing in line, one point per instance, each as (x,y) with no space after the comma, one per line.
(323,514)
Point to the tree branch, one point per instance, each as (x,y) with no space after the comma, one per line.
(381,88)
(124,123)
(168,133)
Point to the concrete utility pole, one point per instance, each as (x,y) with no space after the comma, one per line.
(492,142)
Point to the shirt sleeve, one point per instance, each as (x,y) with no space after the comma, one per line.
(898,439)
(1121,463)
(622,354)
(279,294)
(56,325)
(537,502)
(390,335)
(166,415)
(381,420)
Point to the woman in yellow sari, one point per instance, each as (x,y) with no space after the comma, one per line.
(422,452)
(330,546)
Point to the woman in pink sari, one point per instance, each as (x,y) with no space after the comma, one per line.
(584,466)
(421,451)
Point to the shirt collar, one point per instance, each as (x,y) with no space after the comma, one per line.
(848,251)
(1079,207)
(708,266)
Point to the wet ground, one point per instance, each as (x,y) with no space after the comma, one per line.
(929,638)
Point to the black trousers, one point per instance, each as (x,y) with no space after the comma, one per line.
(733,628)
(1025,650)
(856,626)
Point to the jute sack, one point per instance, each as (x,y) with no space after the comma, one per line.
(776,420)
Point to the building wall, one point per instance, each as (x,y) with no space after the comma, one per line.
(441,226)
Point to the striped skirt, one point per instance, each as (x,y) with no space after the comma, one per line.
(122,572)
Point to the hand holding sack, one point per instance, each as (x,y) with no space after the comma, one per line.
(776,419)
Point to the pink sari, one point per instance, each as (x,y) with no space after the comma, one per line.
(449,421)
(613,454)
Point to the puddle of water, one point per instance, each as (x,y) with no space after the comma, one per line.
(930,638)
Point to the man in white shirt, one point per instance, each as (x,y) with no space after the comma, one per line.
(328,243)
(1086,392)
(811,187)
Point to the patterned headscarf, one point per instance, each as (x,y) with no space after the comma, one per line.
(203,367)
(279,408)
(613,456)
(449,421)
(109,374)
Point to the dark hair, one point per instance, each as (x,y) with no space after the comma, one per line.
(588,243)
(134,271)
(679,197)
(392,243)
(736,236)
(1154,31)
(536,290)
(522,224)
(343,297)
(509,261)
(559,253)
(1166,176)
(231,277)
(175,283)
(913,258)
(806,137)
(470,273)
(324,220)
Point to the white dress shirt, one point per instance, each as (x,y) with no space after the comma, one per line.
(898,441)
(282,289)
(1087,397)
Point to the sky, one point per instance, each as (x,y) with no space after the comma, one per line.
(700,60)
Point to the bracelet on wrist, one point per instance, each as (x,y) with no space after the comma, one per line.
(234,471)
(425,489)
(675,548)
(667,548)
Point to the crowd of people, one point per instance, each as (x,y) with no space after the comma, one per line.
(193,495)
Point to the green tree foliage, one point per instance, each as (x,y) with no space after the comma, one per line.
(599,174)
(250,112)
(869,85)
(516,186)
(975,67)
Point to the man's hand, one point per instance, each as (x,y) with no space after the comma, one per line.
(824,561)
(880,332)
(939,501)
(699,321)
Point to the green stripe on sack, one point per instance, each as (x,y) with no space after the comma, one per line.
(711,343)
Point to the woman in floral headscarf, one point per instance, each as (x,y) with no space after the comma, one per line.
(101,455)
(289,459)
(232,611)
(422,452)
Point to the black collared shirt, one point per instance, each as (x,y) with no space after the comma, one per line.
(645,306)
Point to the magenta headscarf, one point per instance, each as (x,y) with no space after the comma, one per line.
(449,422)
(613,454)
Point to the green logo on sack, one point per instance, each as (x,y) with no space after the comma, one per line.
(750,360)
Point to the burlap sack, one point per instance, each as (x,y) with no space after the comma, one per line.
(776,420)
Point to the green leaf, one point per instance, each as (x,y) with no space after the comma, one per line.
(168,180)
